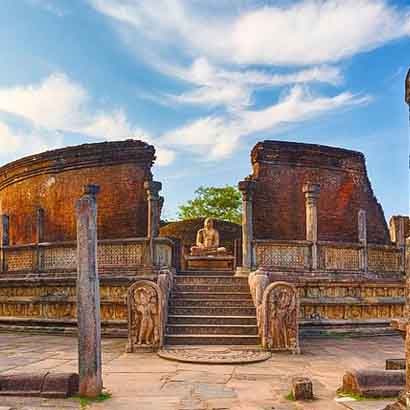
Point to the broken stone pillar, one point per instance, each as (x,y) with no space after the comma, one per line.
(5,240)
(154,212)
(362,234)
(247,187)
(312,192)
(302,388)
(88,295)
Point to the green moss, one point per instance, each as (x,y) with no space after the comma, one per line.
(86,401)
(359,397)
(290,396)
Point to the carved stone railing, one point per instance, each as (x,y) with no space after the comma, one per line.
(282,254)
(331,257)
(62,256)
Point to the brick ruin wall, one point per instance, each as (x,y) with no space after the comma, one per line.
(54,180)
(282,168)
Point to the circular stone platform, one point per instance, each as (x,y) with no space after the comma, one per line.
(214,355)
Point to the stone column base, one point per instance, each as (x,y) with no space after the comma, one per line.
(242,271)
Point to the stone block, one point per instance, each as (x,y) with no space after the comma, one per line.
(395,364)
(210,263)
(43,384)
(374,383)
(302,388)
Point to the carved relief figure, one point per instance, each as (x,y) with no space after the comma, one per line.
(280,311)
(144,316)
(207,241)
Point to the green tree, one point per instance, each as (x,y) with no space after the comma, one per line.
(219,203)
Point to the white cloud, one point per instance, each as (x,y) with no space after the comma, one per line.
(59,104)
(218,137)
(305,32)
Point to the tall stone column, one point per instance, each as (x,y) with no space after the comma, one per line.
(154,214)
(407,99)
(88,295)
(362,236)
(5,240)
(312,192)
(247,188)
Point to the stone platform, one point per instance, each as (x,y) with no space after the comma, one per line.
(215,354)
(210,263)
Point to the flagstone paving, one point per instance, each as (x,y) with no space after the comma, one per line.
(148,382)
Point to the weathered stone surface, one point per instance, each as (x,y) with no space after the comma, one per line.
(45,384)
(302,388)
(88,295)
(374,383)
(210,263)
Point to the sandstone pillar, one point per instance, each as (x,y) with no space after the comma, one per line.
(5,240)
(154,214)
(88,295)
(362,234)
(407,318)
(312,192)
(247,188)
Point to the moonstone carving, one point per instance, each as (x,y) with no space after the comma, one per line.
(145,321)
(280,307)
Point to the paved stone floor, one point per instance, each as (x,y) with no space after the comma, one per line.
(148,382)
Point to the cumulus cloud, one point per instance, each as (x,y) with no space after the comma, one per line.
(305,32)
(58,104)
(219,136)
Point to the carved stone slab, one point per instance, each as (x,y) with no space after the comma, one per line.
(145,317)
(280,307)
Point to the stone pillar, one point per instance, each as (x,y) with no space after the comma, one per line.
(247,188)
(39,238)
(407,318)
(312,192)
(5,240)
(88,295)
(362,234)
(154,213)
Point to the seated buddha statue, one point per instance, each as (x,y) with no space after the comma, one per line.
(207,241)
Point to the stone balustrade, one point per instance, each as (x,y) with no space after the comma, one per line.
(62,256)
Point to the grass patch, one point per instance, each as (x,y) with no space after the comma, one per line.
(290,396)
(359,397)
(86,401)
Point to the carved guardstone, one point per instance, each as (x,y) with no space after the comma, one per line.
(280,309)
(145,321)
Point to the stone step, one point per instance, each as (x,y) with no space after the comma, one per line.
(207,273)
(212,311)
(211,320)
(210,280)
(242,296)
(211,288)
(196,302)
(211,340)
(193,329)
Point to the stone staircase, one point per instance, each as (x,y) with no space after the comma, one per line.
(211,308)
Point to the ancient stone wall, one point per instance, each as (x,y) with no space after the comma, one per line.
(282,168)
(54,180)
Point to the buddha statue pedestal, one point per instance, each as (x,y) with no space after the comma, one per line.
(206,254)
(209,263)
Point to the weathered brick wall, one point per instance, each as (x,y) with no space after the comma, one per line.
(282,168)
(54,180)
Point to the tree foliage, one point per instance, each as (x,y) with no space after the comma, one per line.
(219,203)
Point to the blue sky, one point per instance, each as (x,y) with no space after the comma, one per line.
(205,80)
